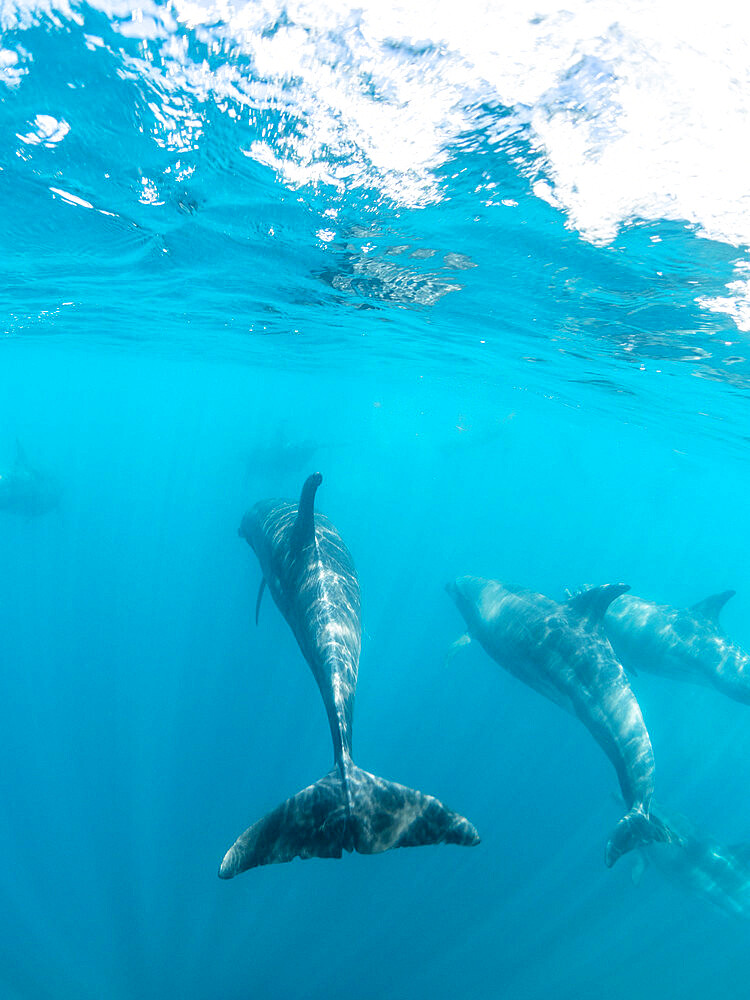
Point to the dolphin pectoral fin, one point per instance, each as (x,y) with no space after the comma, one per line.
(367,814)
(386,815)
(710,607)
(592,604)
(460,643)
(636,828)
(260,598)
(304,527)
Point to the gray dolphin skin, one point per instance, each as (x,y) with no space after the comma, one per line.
(25,490)
(701,865)
(561,651)
(312,580)
(684,643)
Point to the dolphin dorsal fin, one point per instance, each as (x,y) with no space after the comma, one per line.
(710,607)
(304,526)
(593,603)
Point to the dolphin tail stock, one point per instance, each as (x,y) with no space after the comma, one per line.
(636,829)
(346,810)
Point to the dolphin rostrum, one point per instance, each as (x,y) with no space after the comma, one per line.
(685,643)
(560,650)
(312,579)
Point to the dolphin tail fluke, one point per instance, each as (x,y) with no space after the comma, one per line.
(635,829)
(386,815)
(366,814)
(312,824)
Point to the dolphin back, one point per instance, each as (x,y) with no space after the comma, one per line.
(311,576)
(347,810)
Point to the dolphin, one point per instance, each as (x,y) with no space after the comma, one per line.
(282,455)
(561,651)
(312,579)
(700,865)
(684,643)
(25,490)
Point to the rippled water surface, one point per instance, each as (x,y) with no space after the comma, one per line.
(487,270)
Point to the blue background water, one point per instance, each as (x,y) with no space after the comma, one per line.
(542,424)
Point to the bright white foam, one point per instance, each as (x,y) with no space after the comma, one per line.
(11,70)
(637,110)
(736,304)
(47,131)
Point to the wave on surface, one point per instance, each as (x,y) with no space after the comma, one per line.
(355,126)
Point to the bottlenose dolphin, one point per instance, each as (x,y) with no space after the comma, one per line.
(685,643)
(561,651)
(701,865)
(312,579)
(25,490)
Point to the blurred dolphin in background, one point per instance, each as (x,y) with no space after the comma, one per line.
(25,489)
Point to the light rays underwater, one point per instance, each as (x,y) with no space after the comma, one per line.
(486,273)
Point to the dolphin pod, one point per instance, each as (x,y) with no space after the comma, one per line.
(312,579)
(684,643)
(573,652)
(561,651)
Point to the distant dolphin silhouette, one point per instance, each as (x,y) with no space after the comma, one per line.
(282,455)
(560,650)
(312,579)
(684,643)
(701,865)
(25,490)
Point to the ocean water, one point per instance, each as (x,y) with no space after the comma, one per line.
(487,271)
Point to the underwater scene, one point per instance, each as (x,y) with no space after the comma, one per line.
(374,500)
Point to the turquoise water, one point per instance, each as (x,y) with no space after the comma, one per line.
(242,244)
